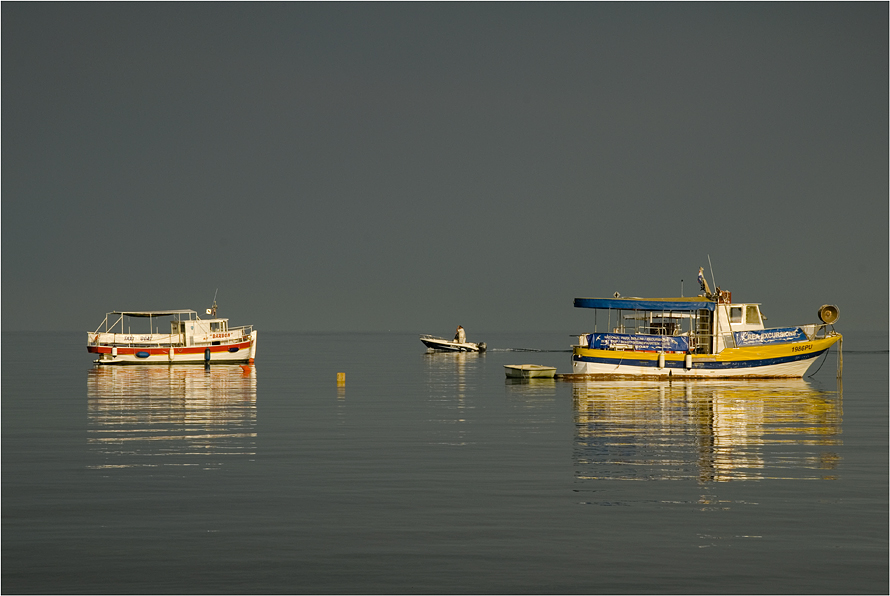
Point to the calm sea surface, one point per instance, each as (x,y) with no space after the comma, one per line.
(430,473)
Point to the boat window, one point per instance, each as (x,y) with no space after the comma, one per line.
(664,328)
(735,314)
(214,327)
(752,317)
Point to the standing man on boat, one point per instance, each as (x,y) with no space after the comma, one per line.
(703,282)
(460,336)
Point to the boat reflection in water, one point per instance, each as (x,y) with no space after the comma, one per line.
(450,395)
(531,388)
(706,430)
(171,415)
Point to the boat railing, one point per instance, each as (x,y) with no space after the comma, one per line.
(216,337)
(148,340)
(133,339)
(818,331)
(245,330)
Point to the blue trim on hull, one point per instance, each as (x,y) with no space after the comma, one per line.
(699,365)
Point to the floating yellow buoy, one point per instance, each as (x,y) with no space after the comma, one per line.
(341,378)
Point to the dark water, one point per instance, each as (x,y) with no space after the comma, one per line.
(431,473)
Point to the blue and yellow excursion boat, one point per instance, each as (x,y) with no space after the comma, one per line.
(708,336)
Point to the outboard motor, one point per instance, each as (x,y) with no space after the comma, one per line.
(482,346)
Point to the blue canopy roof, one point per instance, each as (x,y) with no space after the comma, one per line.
(653,304)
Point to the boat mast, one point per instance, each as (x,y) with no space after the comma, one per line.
(725,308)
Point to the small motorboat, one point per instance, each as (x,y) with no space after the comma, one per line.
(449,345)
(529,371)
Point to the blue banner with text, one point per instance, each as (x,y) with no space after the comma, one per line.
(762,337)
(639,342)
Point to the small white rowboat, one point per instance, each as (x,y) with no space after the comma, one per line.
(529,371)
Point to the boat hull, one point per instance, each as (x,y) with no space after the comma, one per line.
(231,353)
(787,360)
(529,371)
(445,345)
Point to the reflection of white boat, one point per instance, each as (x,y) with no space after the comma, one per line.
(708,336)
(529,371)
(449,345)
(171,415)
(191,340)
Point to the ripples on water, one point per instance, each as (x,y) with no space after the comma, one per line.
(448,389)
(432,473)
(149,416)
(709,431)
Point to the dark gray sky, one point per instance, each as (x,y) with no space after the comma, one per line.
(410,167)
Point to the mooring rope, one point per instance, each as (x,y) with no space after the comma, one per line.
(825,357)
(840,357)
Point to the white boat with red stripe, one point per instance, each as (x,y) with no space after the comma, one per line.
(190,339)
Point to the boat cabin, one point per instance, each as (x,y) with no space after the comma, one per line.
(690,325)
(186,329)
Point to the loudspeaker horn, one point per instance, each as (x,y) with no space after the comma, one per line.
(829,313)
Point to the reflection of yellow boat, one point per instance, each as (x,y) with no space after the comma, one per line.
(708,430)
(171,415)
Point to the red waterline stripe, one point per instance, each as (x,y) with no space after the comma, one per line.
(165,351)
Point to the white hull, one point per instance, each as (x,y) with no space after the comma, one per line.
(447,345)
(242,356)
(797,368)
(529,371)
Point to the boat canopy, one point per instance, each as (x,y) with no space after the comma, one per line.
(152,313)
(651,304)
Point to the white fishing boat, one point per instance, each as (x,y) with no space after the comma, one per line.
(708,336)
(529,371)
(450,345)
(190,340)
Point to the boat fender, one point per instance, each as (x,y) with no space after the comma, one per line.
(207,355)
(142,354)
(688,361)
(234,349)
(661,360)
(114,352)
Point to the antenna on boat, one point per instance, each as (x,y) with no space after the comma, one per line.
(714,281)
(212,310)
